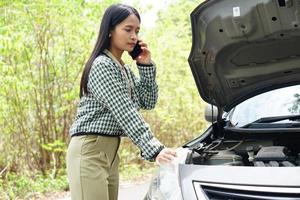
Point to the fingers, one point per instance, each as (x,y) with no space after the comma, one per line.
(171,151)
(144,57)
(145,49)
(166,156)
(143,44)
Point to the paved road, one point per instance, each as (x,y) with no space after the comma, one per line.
(135,191)
(127,191)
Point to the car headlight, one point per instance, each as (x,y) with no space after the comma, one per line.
(165,184)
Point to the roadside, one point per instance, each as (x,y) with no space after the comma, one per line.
(133,190)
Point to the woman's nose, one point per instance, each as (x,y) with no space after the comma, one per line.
(134,36)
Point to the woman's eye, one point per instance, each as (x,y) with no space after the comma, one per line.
(127,30)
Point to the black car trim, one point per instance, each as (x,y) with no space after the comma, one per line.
(218,191)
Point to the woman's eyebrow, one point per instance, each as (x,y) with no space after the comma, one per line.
(131,26)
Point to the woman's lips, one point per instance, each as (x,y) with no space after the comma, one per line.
(132,45)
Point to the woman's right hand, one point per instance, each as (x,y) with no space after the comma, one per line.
(165,156)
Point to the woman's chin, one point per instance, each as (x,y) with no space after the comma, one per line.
(129,49)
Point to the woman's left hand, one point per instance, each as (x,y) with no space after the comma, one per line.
(145,56)
(166,156)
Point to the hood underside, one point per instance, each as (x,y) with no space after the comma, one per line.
(244,48)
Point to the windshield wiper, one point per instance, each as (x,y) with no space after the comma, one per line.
(273,119)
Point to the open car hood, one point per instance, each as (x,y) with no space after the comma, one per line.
(242,48)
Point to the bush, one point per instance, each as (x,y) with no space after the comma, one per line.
(43,48)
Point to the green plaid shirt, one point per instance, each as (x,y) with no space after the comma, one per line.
(113,101)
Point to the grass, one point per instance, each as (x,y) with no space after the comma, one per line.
(18,186)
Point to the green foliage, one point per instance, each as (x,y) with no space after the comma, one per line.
(43,48)
(56,146)
(20,186)
(296,104)
(179,113)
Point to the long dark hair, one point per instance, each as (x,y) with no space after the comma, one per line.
(113,16)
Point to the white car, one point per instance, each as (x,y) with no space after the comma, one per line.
(245,59)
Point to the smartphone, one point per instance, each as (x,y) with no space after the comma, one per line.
(136,51)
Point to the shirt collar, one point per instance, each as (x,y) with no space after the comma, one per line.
(109,54)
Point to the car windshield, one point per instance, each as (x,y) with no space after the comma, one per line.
(279,102)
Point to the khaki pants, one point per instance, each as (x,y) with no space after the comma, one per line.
(92,167)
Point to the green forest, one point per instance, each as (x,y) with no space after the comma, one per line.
(44,45)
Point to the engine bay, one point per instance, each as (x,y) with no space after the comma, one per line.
(246,152)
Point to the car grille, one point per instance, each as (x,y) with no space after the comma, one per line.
(219,193)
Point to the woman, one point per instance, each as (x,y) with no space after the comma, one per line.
(110,97)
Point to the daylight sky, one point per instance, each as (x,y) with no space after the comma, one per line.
(148,18)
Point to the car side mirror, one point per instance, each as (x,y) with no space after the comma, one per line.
(211,113)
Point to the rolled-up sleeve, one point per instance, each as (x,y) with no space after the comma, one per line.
(106,87)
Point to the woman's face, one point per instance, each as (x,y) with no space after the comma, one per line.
(125,35)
